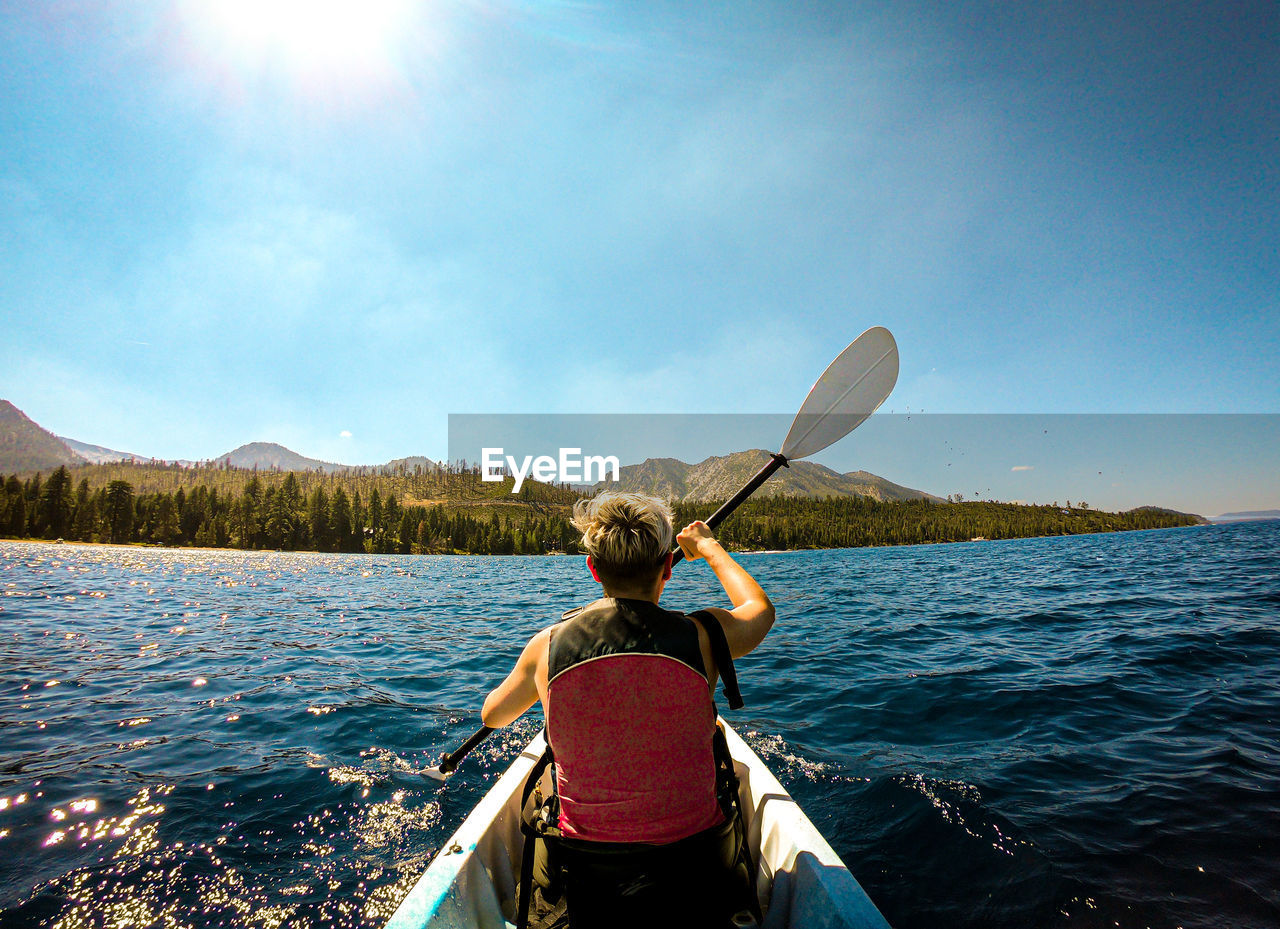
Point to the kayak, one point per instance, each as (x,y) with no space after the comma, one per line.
(800,881)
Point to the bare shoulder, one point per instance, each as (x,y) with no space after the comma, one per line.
(541,639)
(535,650)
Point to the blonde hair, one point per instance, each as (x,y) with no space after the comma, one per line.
(627,535)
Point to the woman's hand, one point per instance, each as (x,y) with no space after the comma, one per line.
(692,537)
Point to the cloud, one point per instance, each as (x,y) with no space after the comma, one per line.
(1023,468)
(344,434)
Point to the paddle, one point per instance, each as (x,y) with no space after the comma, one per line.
(850,390)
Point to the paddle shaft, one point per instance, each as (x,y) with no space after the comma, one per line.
(450,761)
(775,462)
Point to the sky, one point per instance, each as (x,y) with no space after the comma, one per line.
(332,224)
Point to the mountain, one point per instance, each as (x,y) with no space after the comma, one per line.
(720,477)
(24,446)
(268,455)
(1247,515)
(663,477)
(96,454)
(413,461)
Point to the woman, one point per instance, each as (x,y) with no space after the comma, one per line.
(626,687)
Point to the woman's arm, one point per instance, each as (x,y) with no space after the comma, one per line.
(751,618)
(508,701)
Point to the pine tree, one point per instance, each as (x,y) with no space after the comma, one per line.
(408,531)
(15,523)
(31,497)
(357,525)
(391,520)
(194,512)
(378,531)
(341,521)
(118,513)
(165,528)
(85,521)
(318,520)
(55,505)
(292,506)
(249,516)
(283,509)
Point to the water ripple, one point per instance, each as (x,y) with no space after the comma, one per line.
(1072,732)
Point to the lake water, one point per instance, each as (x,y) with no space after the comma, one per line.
(1067,732)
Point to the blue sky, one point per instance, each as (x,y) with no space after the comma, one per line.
(233,222)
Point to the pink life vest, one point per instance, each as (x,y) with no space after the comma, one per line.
(630,721)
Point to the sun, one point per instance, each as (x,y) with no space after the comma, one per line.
(320,32)
(310,42)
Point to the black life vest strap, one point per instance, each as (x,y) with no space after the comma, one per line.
(531,835)
(720,652)
(727,785)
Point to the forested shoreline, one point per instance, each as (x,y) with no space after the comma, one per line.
(390,513)
(783,523)
(293,511)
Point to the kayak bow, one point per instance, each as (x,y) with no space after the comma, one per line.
(801,882)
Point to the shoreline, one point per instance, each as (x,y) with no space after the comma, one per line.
(153,547)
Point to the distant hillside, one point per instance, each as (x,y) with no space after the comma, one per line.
(1246,515)
(888,490)
(96,454)
(266,456)
(663,477)
(1165,511)
(413,461)
(24,446)
(719,477)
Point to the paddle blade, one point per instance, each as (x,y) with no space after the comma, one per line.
(850,390)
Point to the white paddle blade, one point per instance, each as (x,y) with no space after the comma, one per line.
(850,390)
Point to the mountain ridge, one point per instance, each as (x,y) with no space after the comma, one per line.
(720,476)
(273,455)
(98,454)
(27,446)
(1245,516)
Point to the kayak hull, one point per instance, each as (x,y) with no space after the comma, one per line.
(801,882)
